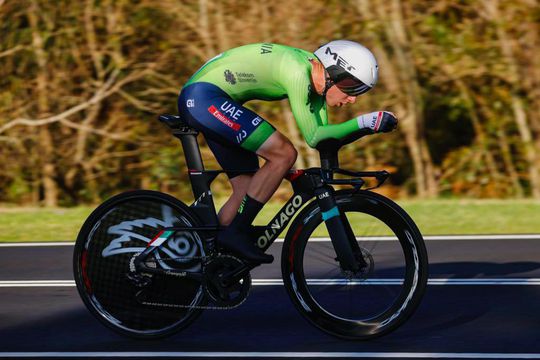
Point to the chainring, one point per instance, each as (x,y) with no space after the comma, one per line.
(220,288)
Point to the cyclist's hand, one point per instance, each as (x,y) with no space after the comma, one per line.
(378,121)
(389,122)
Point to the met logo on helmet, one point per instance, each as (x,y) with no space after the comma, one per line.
(339,60)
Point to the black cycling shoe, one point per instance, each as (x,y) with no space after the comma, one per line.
(240,244)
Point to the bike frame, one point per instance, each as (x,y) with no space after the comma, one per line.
(306,183)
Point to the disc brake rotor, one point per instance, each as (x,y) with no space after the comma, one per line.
(364,272)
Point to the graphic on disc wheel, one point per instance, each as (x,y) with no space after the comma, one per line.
(108,243)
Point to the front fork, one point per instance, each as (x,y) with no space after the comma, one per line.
(343,240)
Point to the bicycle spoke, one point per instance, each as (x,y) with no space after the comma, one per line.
(357,304)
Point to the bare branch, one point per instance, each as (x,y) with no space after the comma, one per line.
(196,50)
(164,78)
(91,38)
(162,91)
(116,154)
(89,129)
(139,104)
(9,139)
(13,49)
(107,90)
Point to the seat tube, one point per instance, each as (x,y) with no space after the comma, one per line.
(194,162)
(199,179)
(338,231)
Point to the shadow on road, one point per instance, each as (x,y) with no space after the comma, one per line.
(449,319)
(474,269)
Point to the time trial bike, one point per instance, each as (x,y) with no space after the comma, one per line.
(353,262)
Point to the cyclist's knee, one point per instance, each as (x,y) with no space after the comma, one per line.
(278,149)
(292,154)
(287,153)
(286,156)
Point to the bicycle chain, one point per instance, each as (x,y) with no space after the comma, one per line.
(195,306)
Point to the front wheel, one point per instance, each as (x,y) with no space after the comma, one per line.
(370,302)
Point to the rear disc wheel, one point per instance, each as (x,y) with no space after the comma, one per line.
(117,231)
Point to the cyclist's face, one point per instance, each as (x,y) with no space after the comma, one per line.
(336,97)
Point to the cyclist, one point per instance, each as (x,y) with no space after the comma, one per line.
(212,102)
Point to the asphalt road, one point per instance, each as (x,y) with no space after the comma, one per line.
(483,301)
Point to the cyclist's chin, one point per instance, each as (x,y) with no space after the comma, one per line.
(334,103)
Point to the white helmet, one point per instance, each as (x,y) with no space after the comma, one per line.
(350,66)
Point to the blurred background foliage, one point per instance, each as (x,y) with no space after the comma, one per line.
(81,83)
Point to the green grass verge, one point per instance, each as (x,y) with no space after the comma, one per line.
(446,217)
(451,217)
(35,224)
(433,217)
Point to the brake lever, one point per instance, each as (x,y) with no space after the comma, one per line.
(381,179)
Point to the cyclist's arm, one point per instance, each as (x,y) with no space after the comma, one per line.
(309,111)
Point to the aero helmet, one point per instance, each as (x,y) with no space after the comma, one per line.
(350,66)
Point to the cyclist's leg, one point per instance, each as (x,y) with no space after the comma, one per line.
(209,109)
(233,158)
(239,185)
(235,134)
(280,156)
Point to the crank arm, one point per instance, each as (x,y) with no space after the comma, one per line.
(236,274)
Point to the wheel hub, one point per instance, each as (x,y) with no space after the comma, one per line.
(364,272)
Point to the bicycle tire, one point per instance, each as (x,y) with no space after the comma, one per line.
(116,231)
(326,311)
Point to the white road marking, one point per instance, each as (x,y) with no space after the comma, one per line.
(440,237)
(36,283)
(324,239)
(325,282)
(393,355)
(38,244)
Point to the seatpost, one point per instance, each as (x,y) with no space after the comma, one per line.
(191,148)
(200,181)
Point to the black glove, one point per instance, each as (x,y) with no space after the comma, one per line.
(388,122)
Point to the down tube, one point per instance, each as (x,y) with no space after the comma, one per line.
(280,221)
